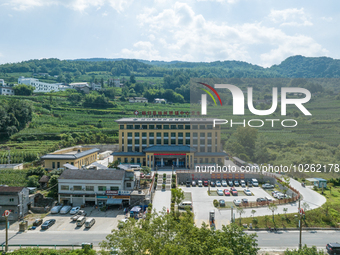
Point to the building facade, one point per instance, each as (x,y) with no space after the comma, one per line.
(15,199)
(167,142)
(93,187)
(77,156)
(38,85)
(7,91)
(138,100)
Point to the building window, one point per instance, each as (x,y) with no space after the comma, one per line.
(53,165)
(173,141)
(129,141)
(77,188)
(101,188)
(159,141)
(11,200)
(173,135)
(173,127)
(166,135)
(209,134)
(187,141)
(121,126)
(144,126)
(130,149)
(180,135)
(64,187)
(194,126)
(119,160)
(128,185)
(125,160)
(202,126)
(138,160)
(136,141)
(209,149)
(158,126)
(137,134)
(165,126)
(137,126)
(89,188)
(194,141)
(143,141)
(209,141)
(143,135)
(194,135)
(129,126)
(187,126)
(58,164)
(180,126)
(202,149)
(151,126)
(114,188)
(180,141)
(209,126)
(206,160)
(159,135)
(129,135)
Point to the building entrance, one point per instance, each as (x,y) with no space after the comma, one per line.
(170,160)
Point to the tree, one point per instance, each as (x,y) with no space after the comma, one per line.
(23,90)
(305,251)
(53,184)
(253,212)
(266,219)
(272,207)
(240,211)
(164,234)
(285,211)
(145,170)
(305,206)
(177,195)
(246,136)
(32,181)
(261,151)
(132,79)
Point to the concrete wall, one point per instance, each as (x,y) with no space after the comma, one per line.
(103,147)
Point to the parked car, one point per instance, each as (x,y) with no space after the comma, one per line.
(261,199)
(267,186)
(222,202)
(244,201)
(224,183)
(255,182)
(236,183)
(75,210)
(199,183)
(249,184)
(218,184)
(205,184)
(37,222)
(237,201)
(219,192)
(269,199)
(212,184)
(47,224)
(226,192)
(333,248)
(65,209)
(188,183)
(89,222)
(247,192)
(56,209)
(233,191)
(274,193)
(230,183)
(80,213)
(193,183)
(243,183)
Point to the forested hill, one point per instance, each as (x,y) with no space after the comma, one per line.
(292,67)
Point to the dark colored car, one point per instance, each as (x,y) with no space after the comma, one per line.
(47,224)
(188,183)
(212,184)
(244,201)
(37,222)
(333,248)
(222,202)
(249,184)
(205,184)
(261,199)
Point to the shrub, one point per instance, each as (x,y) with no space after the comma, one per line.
(163,186)
(255,221)
(164,175)
(215,202)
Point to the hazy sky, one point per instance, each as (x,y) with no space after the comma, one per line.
(257,31)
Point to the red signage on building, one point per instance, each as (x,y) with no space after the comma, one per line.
(169,154)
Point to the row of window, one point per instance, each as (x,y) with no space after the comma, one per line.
(201,148)
(201,160)
(166,141)
(166,134)
(89,188)
(165,126)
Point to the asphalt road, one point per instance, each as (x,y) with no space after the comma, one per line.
(280,240)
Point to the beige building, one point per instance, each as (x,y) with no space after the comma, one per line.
(167,142)
(77,156)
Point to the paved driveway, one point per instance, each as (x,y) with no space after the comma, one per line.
(162,199)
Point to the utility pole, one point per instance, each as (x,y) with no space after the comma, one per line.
(300,225)
(172,173)
(6,213)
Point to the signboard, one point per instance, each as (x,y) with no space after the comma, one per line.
(6,213)
(121,197)
(111,192)
(169,154)
(117,192)
(166,113)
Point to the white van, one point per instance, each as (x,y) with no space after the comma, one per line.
(255,182)
(80,221)
(184,204)
(89,222)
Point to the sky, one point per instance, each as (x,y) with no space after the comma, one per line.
(256,31)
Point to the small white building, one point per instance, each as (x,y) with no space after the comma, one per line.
(2,82)
(7,91)
(80,187)
(39,86)
(159,101)
(138,100)
(95,86)
(78,84)
(117,83)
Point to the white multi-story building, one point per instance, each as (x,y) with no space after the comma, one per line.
(80,187)
(7,91)
(39,86)
(2,82)
(95,86)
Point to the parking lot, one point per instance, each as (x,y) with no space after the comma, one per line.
(105,221)
(203,203)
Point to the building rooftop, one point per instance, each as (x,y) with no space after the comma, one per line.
(210,154)
(116,153)
(70,155)
(108,174)
(9,190)
(9,166)
(165,120)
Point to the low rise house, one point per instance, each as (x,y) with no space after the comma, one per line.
(15,199)
(7,91)
(95,86)
(76,156)
(93,187)
(138,100)
(159,101)
(12,166)
(44,181)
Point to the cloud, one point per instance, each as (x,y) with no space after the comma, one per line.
(290,17)
(179,33)
(142,50)
(77,5)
